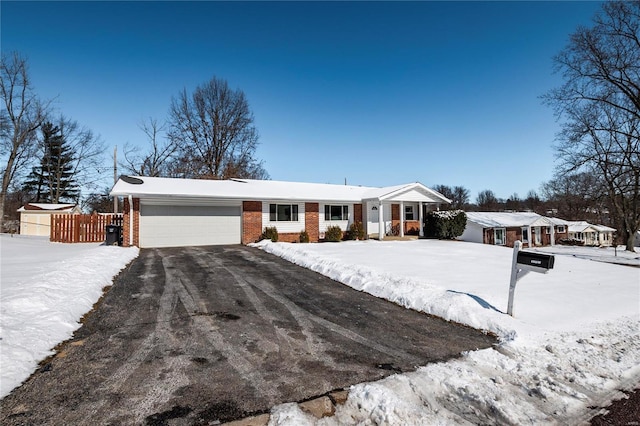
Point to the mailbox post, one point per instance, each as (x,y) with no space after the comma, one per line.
(524,262)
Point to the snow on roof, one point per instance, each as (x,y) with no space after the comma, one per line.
(250,189)
(583,226)
(46,206)
(557,221)
(507,220)
(603,228)
(578,226)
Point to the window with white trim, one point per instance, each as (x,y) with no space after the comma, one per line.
(499,236)
(408,213)
(332,212)
(525,234)
(561,229)
(283,212)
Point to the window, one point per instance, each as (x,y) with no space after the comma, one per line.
(336,212)
(408,213)
(525,235)
(499,236)
(283,212)
(561,229)
(548,230)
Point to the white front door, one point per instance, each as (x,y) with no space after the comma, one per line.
(372,219)
(538,234)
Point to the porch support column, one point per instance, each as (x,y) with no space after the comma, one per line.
(530,237)
(401,219)
(421,219)
(553,234)
(381,229)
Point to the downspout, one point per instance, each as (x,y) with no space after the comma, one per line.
(130,220)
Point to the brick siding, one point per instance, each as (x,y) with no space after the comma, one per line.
(251,221)
(357,213)
(312,221)
(126,221)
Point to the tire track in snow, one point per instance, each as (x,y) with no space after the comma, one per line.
(311,344)
(238,358)
(298,312)
(162,335)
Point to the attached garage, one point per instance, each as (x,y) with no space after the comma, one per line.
(189,225)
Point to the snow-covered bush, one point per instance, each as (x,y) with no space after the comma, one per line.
(445,225)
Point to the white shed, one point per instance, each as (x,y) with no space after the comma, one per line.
(35,218)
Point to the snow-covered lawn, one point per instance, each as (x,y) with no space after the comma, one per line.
(575,337)
(45,289)
(574,340)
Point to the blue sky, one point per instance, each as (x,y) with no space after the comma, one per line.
(377,93)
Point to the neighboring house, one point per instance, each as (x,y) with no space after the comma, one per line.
(591,235)
(506,228)
(165,212)
(35,218)
(636,241)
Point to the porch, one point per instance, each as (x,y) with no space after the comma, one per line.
(397,213)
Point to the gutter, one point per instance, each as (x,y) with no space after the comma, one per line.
(130,220)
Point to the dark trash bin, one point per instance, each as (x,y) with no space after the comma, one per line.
(113,235)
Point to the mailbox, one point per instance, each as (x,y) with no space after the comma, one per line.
(536,260)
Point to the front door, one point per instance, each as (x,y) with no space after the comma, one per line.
(372,219)
(537,231)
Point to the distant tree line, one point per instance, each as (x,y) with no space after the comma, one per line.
(598,104)
(570,197)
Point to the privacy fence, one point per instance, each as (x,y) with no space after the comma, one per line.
(81,228)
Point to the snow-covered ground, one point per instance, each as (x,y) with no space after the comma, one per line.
(45,289)
(574,340)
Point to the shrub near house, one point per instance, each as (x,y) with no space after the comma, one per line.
(445,225)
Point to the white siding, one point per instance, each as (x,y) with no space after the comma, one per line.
(184,225)
(283,227)
(343,224)
(472,233)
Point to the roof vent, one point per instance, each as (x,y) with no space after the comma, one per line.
(131,180)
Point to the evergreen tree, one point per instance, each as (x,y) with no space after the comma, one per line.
(53,180)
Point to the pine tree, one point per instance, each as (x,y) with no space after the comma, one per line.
(53,180)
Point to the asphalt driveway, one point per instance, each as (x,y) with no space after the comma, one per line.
(199,335)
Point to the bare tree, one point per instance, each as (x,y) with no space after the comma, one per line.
(444,190)
(600,101)
(87,150)
(459,198)
(533,202)
(215,132)
(487,201)
(21,115)
(158,159)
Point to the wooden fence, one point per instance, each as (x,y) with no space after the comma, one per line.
(82,228)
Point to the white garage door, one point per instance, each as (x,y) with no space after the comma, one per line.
(176,226)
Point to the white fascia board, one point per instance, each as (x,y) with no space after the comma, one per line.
(396,194)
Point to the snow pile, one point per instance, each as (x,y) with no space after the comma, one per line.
(46,289)
(574,341)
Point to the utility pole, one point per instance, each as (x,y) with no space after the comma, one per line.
(115,177)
